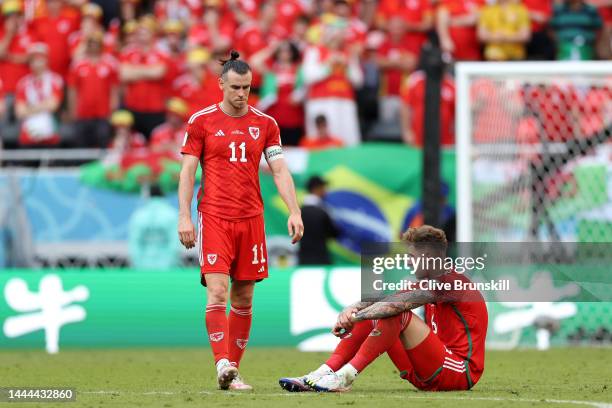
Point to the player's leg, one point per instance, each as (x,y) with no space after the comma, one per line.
(350,344)
(216,255)
(217,326)
(249,267)
(434,367)
(240,316)
(345,350)
(379,340)
(241,300)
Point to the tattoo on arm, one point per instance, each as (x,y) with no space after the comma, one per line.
(395,304)
(360,305)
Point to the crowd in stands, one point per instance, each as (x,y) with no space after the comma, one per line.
(327,70)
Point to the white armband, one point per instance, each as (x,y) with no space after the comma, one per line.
(273,153)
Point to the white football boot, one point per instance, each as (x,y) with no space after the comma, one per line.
(226,373)
(301,384)
(340,381)
(238,384)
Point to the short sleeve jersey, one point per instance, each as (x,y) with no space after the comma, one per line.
(230,150)
(461,323)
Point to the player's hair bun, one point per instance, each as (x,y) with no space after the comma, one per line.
(234,55)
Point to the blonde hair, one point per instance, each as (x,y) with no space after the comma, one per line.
(425,234)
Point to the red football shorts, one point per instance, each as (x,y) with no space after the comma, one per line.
(436,368)
(234,247)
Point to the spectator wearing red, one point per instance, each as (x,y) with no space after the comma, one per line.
(254,35)
(178,10)
(357,30)
(417,17)
(212,31)
(288,12)
(397,58)
(2,104)
(14,43)
(165,146)
(594,107)
(282,92)
(126,166)
(331,72)
(198,87)
(54,29)
(456,26)
(91,22)
(93,93)
(2,110)
(39,96)
(322,139)
(541,46)
(128,9)
(173,45)
(125,139)
(143,71)
(497,112)
(167,138)
(129,34)
(413,110)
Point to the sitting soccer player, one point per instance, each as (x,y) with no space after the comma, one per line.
(443,353)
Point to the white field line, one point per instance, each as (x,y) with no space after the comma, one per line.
(595,404)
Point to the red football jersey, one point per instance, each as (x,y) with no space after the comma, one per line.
(413,95)
(93,82)
(461,325)
(230,150)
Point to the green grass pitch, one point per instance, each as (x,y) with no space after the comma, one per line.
(172,378)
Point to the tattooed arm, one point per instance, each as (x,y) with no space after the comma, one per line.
(393,305)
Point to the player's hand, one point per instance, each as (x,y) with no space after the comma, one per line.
(339,331)
(186,231)
(295,227)
(344,318)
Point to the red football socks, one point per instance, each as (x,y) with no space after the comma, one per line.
(348,346)
(381,338)
(239,329)
(217,328)
(399,357)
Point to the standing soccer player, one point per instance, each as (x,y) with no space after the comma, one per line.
(443,353)
(228,139)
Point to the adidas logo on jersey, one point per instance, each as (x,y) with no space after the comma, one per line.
(262,269)
(219,133)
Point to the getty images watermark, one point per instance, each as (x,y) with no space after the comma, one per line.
(422,267)
(500,272)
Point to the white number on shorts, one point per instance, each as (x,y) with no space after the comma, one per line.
(255,258)
(242,147)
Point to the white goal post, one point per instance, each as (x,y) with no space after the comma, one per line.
(502,76)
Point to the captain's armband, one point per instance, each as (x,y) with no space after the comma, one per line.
(273,153)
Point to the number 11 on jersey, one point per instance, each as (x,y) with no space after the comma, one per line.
(242,148)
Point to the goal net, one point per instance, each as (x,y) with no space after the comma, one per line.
(534,152)
(534,164)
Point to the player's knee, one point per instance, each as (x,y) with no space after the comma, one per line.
(217,294)
(242,300)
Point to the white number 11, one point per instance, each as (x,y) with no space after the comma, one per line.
(255,261)
(242,147)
